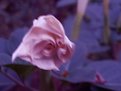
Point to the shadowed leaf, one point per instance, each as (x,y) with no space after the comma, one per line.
(22,70)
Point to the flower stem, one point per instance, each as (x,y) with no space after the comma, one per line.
(76,27)
(81,8)
(106,33)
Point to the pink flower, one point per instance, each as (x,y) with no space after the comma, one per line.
(45,45)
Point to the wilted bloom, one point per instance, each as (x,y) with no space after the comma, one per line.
(45,45)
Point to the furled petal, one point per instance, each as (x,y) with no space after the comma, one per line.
(46,64)
(44,48)
(29,41)
(36,33)
(23,52)
(50,24)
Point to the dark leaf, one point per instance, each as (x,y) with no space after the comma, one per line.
(5,83)
(23,71)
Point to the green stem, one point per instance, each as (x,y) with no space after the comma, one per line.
(106,33)
(76,27)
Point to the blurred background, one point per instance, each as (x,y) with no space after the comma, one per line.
(98,40)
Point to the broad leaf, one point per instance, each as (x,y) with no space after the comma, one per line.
(23,71)
(5,83)
(111,73)
(75,73)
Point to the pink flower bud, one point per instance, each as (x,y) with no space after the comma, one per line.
(45,45)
